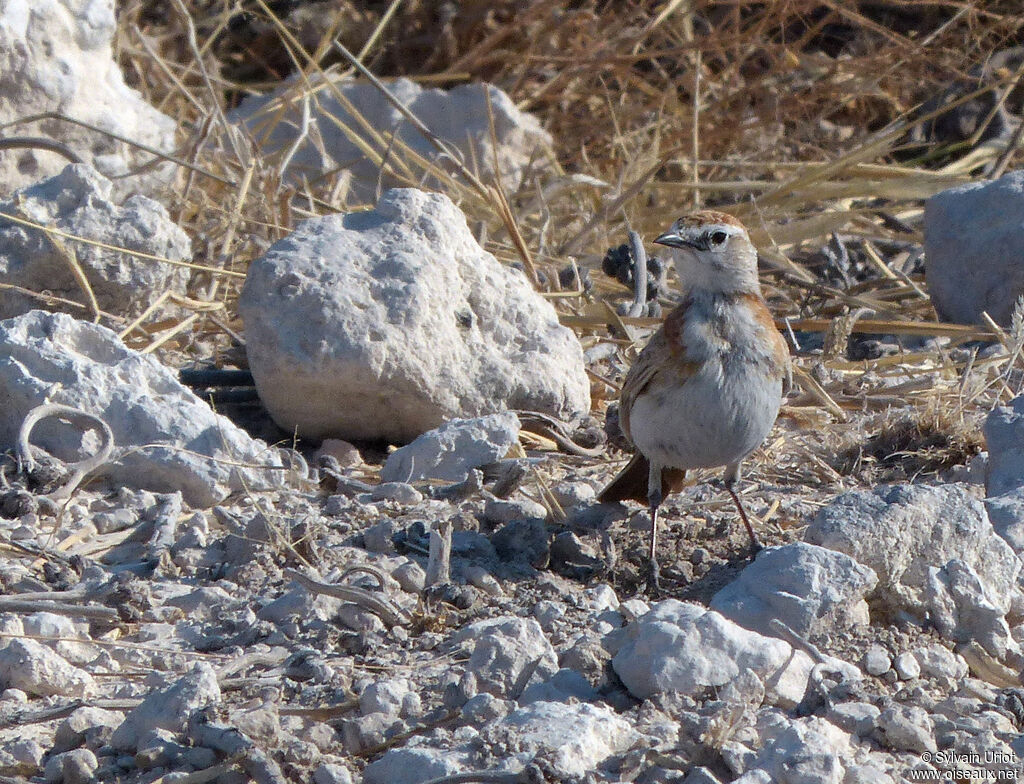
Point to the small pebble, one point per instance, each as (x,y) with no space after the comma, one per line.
(858,718)
(484,708)
(28,752)
(602,597)
(332,774)
(907,667)
(498,512)
(410,576)
(71,767)
(876,660)
(399,492)
(570,494)
(632,609)
(548,613)
(482,579)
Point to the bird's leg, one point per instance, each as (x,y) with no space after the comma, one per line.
(732,476)
(654,498)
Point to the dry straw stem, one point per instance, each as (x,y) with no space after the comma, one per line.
(57,233)
(796,119)
(158,155)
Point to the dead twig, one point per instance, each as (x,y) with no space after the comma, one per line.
(89,612)
(439,562)
(80,469)
(636,246)
(380,606)
(546,425)
(40,143)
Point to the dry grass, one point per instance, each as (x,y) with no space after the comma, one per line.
(799,116)
(908,445)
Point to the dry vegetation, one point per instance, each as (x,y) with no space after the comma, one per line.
(815,121)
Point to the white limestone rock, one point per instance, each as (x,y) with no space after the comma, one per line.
(877,660)
(1004,474)
(938,662)
(1004,435)
(857,718)
(574,739)
(810,589)
(452,450)
(85,725)
(329,773)
(963,607)
(384,324)
(901,531)
(78,201)
(384,696)
(45,624)
(502,650)
(166,438)
(701,775)
(485,707)
(565,686)
(1006,513)
(685,648)
(57,57)
(469,117)
(973,235)
(168,708)
(907,728)
(416,764)
(11,628)
(907,667)
(38,670)
(71,767)
(804,750)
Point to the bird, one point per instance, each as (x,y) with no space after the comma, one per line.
(706,389)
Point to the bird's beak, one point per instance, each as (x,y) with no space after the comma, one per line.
(673,240)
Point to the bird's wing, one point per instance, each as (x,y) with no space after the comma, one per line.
(664,358)
(781,364)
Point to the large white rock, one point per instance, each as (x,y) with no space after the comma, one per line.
(503,650)
(1004,471)
(451,451)
(1006,513)
(416,764)
(973,240)
(961,606)
(383,324)
(803,751)
(166,438)
(1004,436)
(901,531)
(37,670)
(574,739)
(685,648)
(462,117)
(78,201)
(810,589)
(57,56)
(168,708)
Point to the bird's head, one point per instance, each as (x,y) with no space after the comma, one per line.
(712,251)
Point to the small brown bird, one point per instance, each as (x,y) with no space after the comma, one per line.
(706,388)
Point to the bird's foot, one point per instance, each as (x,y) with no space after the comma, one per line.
(653,577)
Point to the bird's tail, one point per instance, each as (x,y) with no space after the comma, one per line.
(631,482)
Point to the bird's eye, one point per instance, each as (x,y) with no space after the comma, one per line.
(718,237)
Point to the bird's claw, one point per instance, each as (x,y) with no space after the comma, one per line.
(653,577)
